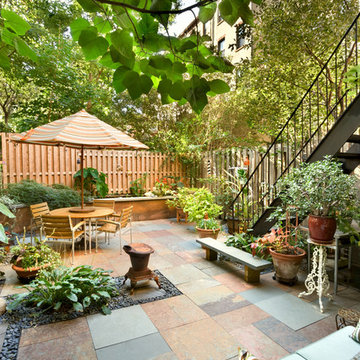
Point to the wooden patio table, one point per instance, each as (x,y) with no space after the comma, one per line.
(99,212)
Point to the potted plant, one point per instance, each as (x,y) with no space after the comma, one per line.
(29,259)
(320,190)
(179,201)
(203,210)
(283,246)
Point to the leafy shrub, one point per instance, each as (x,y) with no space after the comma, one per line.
(241,241)
(35,255)
(94,182)
(65,288)
(208,224)
(60,187)
(29,192)
(137,187)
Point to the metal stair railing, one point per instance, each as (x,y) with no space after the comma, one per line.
(322,104)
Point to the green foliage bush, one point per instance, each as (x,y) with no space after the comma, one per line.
(65,288)
(94,182)
(29,192)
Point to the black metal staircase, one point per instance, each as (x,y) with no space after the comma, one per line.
(324,122)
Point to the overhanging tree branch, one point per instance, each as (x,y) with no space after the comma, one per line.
(156,12)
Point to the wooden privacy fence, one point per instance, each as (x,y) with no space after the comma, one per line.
(58,164)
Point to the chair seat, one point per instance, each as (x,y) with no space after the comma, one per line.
(112,228)
(76,235)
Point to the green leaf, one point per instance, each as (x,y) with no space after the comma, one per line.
(128,60)
(57,305)
(105,310)
(146,84)
(90,5)
(23,49)
(3,236)
(132,82)
(160,62)
(4,61)
(92,45)
(164,89)
(207,12)
(77,26)
(178,67)
(228,11)
(72,297)
(155,42)
(104,294)
(122,41)
(7,36)
(5,210)
(147,25)
(78,307)
(15,22)
(107,61)
(86,302)
(103,26)
(218,86)
(187,45)
(177,90)
(161,5)
(196,93)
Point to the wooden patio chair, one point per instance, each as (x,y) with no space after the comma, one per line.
(37,211)
(61,230)
(122,225)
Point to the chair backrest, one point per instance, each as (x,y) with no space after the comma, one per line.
(37,210)
(126,216)
(57,227)
(104,203)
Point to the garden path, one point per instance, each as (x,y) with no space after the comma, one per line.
(217,313)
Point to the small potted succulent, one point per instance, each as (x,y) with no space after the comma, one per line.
(203,210)
(284,247)
(29,259)
(320,190)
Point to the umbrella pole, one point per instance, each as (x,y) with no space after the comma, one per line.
(82,175)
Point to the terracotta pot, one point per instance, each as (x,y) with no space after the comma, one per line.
(287,266)
(206,233)
(322,229)
(27,274)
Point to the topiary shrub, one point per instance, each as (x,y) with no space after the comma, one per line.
(29,192)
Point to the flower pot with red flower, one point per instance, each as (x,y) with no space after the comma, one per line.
(282,245)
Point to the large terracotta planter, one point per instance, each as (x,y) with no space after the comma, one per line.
(287,266)
(322,229)
(27,274)
(206,233)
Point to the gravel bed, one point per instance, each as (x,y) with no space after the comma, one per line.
(27,317)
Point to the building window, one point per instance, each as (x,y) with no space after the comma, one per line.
(240,36)
(221,46)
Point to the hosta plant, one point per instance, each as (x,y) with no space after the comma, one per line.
(69,288)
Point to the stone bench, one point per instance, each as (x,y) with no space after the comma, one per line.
(253,265)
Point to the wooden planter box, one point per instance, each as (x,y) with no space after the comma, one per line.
(146,208)
(23,219)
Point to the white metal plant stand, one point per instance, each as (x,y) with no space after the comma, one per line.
(318,280)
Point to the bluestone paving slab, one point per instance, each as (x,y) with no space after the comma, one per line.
(224,305)
(121,325)
(153,227)
(184,273)
(290,310)
(261,292)
(213,294)
(289,339)
(196,285)
(142,348)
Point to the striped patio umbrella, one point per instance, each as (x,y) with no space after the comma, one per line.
(81,131)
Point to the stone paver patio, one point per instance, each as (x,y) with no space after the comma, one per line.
(217,313)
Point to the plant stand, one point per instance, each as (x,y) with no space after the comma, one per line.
(318,280)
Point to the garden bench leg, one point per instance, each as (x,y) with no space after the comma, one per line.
(252,276)
(210,254)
